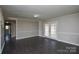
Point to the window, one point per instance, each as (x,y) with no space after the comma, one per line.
(50,30)
(46,33)
(53,30)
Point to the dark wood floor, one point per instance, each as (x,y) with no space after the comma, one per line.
(40,45)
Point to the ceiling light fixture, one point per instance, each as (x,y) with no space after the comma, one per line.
(36,15)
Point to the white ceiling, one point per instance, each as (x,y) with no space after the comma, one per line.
(45,11)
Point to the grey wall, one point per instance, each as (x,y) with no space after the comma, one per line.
(13,29)
(1,31)
(26,28)
(67,28)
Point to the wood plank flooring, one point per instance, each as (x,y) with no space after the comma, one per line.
(40,45)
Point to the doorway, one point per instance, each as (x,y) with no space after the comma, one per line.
(7,32)
(10,33)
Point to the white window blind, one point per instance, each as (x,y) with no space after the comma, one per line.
(46,33)
(53,30)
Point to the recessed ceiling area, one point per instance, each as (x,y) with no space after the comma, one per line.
(45,11)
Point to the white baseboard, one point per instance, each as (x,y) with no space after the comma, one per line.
(62,41)
(17,38)
(69,42)
(55,39)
